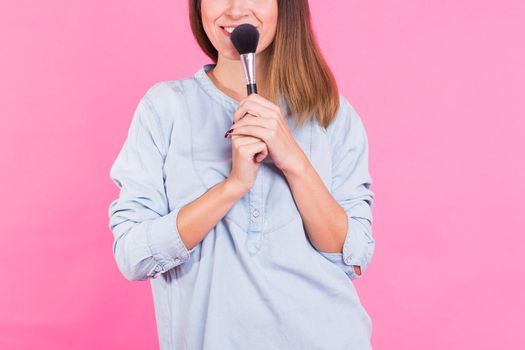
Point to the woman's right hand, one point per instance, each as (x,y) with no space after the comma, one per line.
(247,154)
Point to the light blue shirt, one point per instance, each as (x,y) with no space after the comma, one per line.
(255,281)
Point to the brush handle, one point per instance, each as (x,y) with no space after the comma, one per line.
(251,89)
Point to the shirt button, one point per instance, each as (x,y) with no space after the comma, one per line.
(255,213)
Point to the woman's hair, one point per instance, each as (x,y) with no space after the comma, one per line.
(296,68)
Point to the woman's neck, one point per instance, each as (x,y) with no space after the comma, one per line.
(228,76)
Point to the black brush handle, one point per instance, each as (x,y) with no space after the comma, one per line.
(251,88)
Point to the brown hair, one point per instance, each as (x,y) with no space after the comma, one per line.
(296,68)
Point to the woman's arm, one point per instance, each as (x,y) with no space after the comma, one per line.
(147,240)
(197,218)
(339,222)
(325,221)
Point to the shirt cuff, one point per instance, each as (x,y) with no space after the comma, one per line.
(165,243)
(357,248)
(337,259)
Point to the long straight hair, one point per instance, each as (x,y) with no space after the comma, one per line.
(296,68)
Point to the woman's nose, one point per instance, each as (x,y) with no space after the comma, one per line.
(238,8)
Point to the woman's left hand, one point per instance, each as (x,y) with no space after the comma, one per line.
(264,121)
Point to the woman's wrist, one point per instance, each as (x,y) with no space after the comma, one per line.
(235,188)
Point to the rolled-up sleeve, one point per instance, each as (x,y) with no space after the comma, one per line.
(146,239)
(351,183)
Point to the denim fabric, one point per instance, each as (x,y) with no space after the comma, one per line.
(255,281)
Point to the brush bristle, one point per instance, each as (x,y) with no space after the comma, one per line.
(245,38)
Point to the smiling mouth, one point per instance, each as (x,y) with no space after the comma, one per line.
(228,29)
(226,32)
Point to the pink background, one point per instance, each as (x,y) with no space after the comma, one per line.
(438,84)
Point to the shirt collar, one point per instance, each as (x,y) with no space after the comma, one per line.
(220,97)
(211,89)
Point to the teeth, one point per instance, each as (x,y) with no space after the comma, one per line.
(229,29)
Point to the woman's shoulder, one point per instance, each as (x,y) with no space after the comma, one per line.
(168,92)
(167,99)
(345,121)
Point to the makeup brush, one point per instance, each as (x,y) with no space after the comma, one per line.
(245,38)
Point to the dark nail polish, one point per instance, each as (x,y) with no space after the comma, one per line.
(227,132)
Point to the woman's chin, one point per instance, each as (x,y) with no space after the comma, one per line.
(230,56)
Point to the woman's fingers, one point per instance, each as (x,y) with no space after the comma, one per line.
(262,101)
(253,120)
(243,139)
(262,133)
(261,155)
(251,149)
(251,107)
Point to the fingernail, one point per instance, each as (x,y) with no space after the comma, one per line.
(227,132)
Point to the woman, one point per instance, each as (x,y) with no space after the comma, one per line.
(250,241)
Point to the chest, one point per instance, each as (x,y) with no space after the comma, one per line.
(199,158)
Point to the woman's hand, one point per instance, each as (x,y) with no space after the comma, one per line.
(247,153)
(266,123)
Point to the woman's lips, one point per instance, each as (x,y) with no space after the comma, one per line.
(225,32)
(228,34)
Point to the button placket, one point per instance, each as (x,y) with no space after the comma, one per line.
(256,195)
